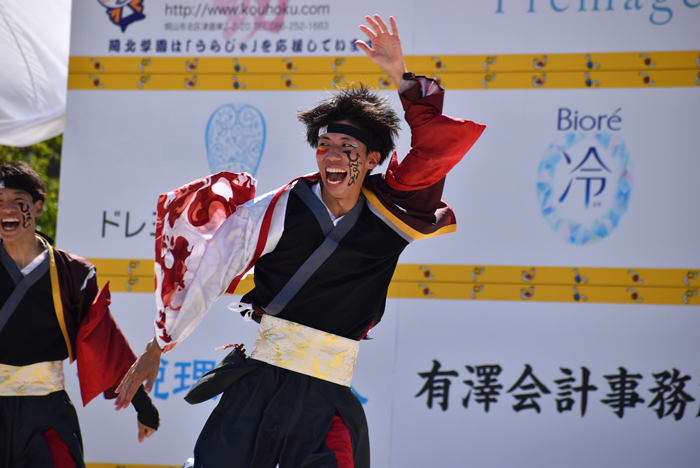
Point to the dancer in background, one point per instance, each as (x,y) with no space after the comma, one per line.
(51,309)
(325,248)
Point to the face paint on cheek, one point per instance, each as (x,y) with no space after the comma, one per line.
(26,215)
(320,151)
(354,167)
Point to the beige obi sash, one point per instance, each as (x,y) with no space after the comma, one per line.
(32,380)
(305,350)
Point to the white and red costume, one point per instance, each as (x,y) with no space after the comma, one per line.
(210,232)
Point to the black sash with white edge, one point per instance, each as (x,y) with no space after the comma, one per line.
(22,283)
(334,234)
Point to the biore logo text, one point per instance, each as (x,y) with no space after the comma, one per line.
(567,121)
(203,10)
(584,179)
(661,10)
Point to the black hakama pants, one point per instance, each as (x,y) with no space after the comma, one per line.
(23,421)
(268,416)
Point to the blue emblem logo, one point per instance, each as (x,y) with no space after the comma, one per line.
(235,139)
(584,182)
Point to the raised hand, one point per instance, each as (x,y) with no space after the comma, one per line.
(386,46)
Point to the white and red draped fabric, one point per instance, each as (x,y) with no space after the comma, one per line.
(187,218)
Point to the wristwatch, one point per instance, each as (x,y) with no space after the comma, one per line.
(408,76)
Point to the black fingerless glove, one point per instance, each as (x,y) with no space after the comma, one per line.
(147,412)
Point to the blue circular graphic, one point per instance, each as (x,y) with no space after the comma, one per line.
(235,139)
(584,182)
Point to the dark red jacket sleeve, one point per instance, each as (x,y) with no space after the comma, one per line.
(411,191)
(103,353)
(438,142)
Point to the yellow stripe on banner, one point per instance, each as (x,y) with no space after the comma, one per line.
(568,276)
(570,80)
(57,304)
(485,282)
(121,267)
(309,82)
(198,82)
(615,61)
(241,66)
(521,71)
(424,64)
(544,293)
(126,275)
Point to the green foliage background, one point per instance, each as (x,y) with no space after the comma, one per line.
(45,158)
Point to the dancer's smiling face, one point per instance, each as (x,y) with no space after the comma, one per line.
(343,162)
(18,213)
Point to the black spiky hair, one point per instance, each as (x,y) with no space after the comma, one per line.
(364,109)
(19,175)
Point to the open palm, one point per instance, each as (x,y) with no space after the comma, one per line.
(386,46)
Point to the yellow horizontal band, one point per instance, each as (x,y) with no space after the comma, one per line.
(565,276)
(545,293)
(419,64)
(547,284)
(522,71)
(610,61)
(311,82)
(218,82)
(485,282)
(123,267)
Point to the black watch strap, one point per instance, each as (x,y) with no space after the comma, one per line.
(408,76)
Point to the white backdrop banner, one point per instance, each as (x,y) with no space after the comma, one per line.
(588,167)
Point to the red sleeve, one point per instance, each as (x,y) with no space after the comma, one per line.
(103,353)
(438,142)
(410,193)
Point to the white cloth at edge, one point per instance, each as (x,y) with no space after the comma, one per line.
(35,263)
(227,255)
(34,38)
